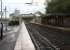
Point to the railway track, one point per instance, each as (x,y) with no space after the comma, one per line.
(59,38)
(41,42)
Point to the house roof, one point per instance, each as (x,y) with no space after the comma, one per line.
(22,15)
(27,15)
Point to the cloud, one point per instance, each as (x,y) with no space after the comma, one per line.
(19,4)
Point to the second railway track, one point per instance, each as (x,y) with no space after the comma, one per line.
(40,41)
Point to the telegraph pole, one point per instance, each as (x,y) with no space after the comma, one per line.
(5,18)
(1,11)
(1,23)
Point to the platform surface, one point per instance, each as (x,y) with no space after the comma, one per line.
(24,41)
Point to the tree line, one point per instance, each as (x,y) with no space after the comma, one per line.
(58,6)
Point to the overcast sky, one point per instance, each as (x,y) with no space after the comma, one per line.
(38,5)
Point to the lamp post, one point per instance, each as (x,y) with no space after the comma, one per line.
(5,18)
(1,29)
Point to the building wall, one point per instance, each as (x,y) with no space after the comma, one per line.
(36,20)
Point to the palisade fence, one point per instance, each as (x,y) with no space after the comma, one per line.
(57,19)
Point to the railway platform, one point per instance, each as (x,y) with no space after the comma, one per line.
(24,41)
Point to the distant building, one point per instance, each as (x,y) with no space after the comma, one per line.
(14,16)
(26,17)
(34,18)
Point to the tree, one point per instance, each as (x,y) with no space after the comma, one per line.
(58,6)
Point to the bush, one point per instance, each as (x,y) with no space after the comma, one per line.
(12,23)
